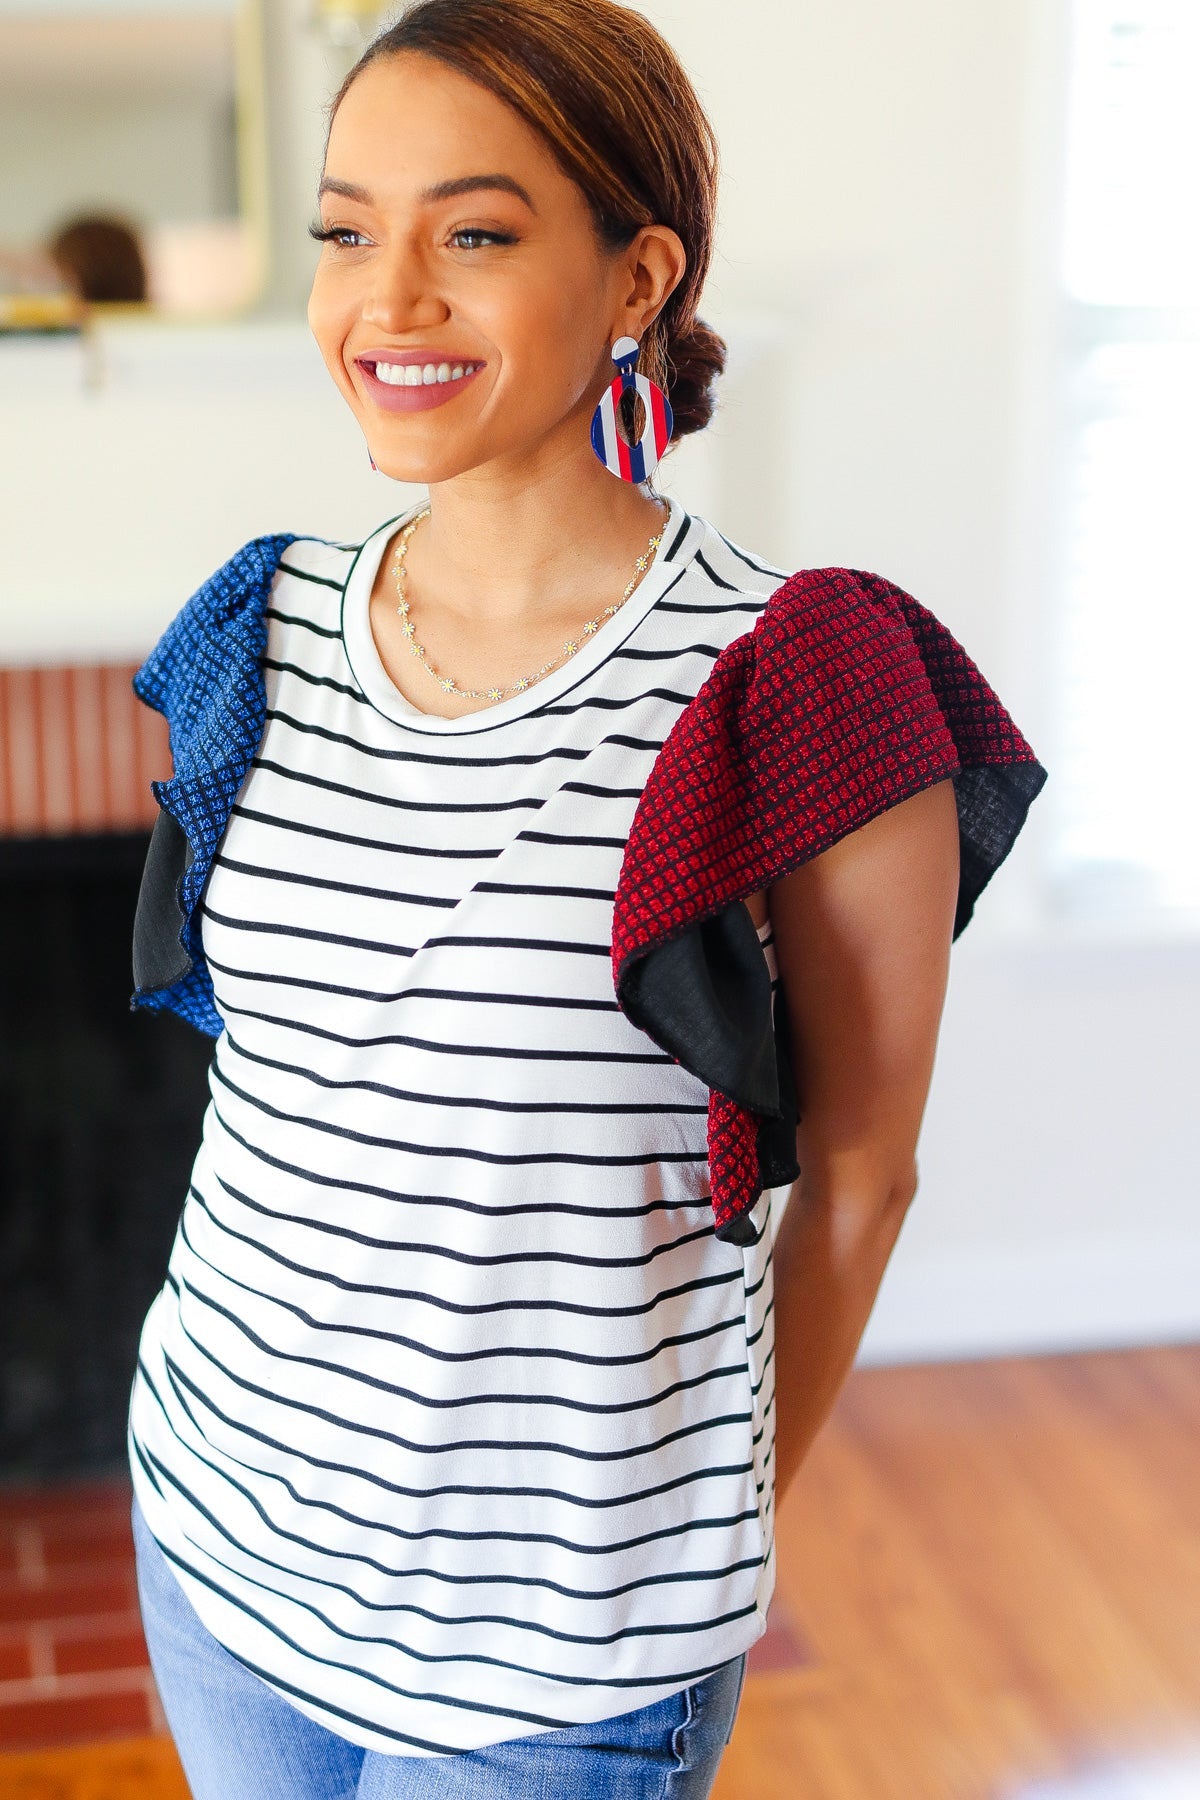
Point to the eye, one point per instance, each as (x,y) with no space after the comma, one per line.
(336,234)
(477,231)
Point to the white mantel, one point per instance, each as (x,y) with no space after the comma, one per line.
(141,462)
(134,466)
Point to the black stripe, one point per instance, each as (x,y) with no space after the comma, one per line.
(325,1278)
(588,840)
(272,612)
(348,837)
(557,1003)
(559,752)
(601,703)
(523,1538)
(384,753)
(473,941)
(675,653)
(719,580)
(550,946)
(303,933)
(357,794)
(456,1203)
(542,890)
(317,580)
(387,753)
(137,1450)
(750,604)
(672,1531)
(261,873)
(324,1705)
(591,703)
(419,1297)
(403,1571)
(406,1606)
(309,537)
(469,1153)
(396,1391)
(359,1428)
(325,681)
(762,568)
(469,1102)
(439,1047)
(607,895)
(685,526)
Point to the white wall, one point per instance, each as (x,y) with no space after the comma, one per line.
(885,275)
(165,160)
(118,110)
(155,450)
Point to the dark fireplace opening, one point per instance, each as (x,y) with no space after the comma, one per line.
(100,1118)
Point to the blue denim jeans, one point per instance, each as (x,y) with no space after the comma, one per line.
(240,1740)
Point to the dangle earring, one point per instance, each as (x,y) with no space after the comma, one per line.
(632,462)
(374,464)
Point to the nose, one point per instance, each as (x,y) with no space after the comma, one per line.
(401,295)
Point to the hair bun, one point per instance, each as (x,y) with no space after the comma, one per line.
(694,358)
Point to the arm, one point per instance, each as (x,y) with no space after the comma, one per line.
(862,939)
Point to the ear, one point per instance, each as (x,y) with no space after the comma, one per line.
(655,264)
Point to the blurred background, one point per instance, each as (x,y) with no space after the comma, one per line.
(958,270)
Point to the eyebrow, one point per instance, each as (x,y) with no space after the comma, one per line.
(441,190)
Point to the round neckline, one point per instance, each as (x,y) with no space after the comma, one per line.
(680,541)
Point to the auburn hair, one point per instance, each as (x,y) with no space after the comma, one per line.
(612,101)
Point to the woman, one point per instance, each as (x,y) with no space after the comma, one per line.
(453,1435)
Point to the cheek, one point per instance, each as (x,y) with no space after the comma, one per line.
(549,340)
(328,321)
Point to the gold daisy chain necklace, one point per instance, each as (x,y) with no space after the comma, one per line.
(447,682)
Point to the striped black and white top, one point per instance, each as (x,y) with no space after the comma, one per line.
(453,1417)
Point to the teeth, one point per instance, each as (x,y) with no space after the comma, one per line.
(421,374)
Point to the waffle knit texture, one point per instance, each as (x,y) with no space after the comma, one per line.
(846,697)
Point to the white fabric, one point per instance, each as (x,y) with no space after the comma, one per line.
(454,1417)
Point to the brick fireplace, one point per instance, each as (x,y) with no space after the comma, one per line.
(100,1108)
(78,751)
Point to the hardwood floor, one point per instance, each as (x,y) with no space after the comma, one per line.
(996,1568)
(138,1769)
(989,1589)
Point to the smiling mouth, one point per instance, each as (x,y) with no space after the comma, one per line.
(418,374)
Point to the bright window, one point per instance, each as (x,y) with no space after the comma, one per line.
(1127,771)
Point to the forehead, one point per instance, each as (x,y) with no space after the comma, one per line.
(408,121)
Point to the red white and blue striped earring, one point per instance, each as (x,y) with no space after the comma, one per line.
(632,462)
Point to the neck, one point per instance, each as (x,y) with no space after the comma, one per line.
(509,554)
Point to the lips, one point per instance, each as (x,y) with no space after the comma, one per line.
(389,378)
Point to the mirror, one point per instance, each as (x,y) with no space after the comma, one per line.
(132,157)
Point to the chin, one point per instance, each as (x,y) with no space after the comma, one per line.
(404,473)
(419,470)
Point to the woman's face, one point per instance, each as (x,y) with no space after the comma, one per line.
(505,273)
